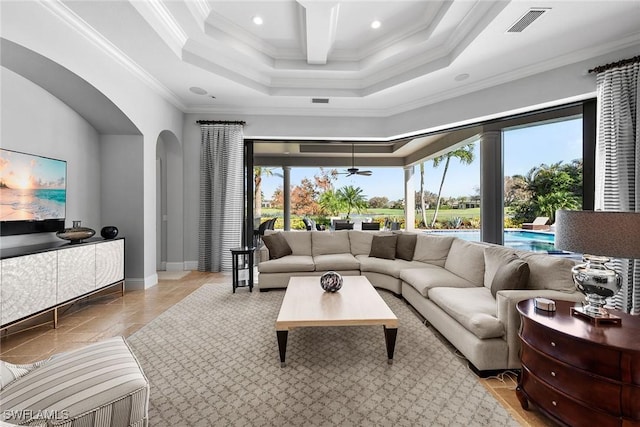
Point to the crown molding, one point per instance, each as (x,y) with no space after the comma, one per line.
(161,20)
(75,22)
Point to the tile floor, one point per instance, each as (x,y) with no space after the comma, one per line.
(110,314)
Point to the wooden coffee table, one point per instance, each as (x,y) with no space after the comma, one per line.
(305,304)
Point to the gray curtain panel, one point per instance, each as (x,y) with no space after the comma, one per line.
(221,195)
(617,160)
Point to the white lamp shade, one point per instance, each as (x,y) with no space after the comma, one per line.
(605,233)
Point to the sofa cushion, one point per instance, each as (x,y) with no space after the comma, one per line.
(550,272)
(360,242)
(513,274)
(494,257)
(386,266)
(336,262)
(287,264)
(466,260)
(277,245)
(430,276)
(332,242)
(432,249)
(299,242)
(384,247)
(406,246)
(474,308)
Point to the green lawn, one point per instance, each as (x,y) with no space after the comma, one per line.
(443,214)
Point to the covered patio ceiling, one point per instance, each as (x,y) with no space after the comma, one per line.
(399,153)
(402,152)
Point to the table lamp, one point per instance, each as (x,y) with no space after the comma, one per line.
(597,235)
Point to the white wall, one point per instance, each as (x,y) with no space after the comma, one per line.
(35,122)
(120,197)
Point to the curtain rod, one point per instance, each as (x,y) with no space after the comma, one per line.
(606,67)
(219,122)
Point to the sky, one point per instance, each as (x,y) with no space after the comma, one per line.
(24,171)
(524,148)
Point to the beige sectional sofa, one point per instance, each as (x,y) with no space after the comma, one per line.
(448,281)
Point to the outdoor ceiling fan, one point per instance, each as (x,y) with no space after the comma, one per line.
(353,170)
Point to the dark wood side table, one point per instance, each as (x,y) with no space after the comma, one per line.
(242,261)
(577,373)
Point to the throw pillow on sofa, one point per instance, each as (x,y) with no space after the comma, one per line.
(277,245)
(383,247)
(406,246)
(514,274)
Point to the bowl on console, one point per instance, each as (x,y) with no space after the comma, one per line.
(76,234)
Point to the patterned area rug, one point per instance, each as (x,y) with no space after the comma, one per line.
(212,360)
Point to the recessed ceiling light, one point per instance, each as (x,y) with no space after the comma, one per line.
(257,20)
(376,24)
(461,77)
(198,90)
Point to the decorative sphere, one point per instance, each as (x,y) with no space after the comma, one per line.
(331,281)
(109,232)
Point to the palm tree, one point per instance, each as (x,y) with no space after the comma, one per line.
(330,203)
(549,203)
(423,205)
(352,198)
(258,172)
(466,156)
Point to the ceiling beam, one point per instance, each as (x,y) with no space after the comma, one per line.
(327,162)
(321,19)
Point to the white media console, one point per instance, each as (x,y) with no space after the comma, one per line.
(40,278)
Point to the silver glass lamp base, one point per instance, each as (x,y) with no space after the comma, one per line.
(597,282)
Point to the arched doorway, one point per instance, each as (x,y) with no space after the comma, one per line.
(169,203)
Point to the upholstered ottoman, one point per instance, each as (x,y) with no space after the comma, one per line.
(99,385)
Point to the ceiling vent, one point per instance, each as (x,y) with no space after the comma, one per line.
(319,100)
(527,20)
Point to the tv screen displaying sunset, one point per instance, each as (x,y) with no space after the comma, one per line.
(31,187)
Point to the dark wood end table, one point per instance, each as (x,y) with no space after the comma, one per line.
(577,373)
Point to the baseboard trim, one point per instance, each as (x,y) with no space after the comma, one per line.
(141,284)
(190,265)
(174,266)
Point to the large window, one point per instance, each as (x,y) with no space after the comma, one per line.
(448,190)
(323,194)
(543,171)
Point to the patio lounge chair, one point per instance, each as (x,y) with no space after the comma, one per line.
(540,223)
(259,232)
(309,224)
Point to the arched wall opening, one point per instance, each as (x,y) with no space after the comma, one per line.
(169,203)
(77,123)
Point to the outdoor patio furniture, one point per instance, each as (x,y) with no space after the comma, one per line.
(342,225)
(259,232)
(371,226)
(309,224)
(540,223)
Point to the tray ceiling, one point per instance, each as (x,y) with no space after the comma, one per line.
(422,53)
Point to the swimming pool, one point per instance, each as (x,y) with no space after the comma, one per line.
(517,239)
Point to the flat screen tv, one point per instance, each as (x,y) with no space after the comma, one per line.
(33,193)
